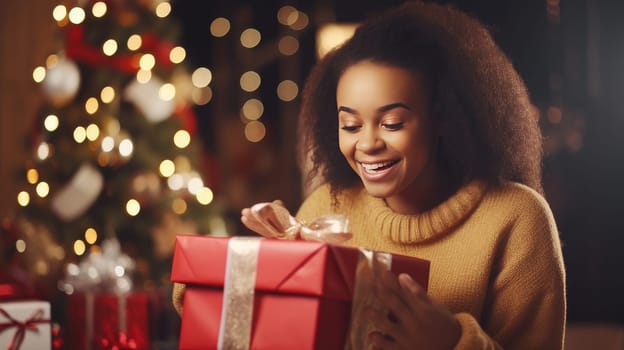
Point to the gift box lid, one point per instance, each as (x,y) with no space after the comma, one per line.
(290,267)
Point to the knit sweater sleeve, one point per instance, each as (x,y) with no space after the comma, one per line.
(525,307)
(316,204)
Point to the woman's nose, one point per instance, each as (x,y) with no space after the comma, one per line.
(369,141)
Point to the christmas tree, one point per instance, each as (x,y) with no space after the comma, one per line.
(114,148)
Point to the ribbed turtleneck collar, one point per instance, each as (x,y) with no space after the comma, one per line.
(424,226)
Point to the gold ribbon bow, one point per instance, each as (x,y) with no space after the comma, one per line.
(280,224)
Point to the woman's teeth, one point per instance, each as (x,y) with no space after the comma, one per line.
(377,166)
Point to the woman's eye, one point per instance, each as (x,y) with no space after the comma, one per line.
(350,128)
(392,126)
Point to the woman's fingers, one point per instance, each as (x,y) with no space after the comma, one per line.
(252,223)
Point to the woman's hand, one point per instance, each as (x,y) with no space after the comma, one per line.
(253,224)
(409,319)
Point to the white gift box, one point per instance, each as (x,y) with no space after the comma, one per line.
(25,325)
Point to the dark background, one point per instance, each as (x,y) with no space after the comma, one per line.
(571,56)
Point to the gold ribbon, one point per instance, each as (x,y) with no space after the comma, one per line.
(280,224)
(238,293)
(366,276)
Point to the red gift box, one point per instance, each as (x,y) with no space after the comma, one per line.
(302,294)
(108,321)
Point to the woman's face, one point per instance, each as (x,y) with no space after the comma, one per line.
(385,133)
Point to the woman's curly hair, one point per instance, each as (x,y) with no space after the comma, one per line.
(480,104)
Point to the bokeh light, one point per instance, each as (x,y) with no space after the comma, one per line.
(287,90)
(201,77)
(250,81)
(219,27)
(253,109)
(288,45)
(166,168)
(133,207)
(250,38)
(76,15)
(163,9)
(51,122)
(99,9)
(109,47)
(255,131)
(134,42)
(182,138)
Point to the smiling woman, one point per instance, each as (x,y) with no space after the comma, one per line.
(423,133)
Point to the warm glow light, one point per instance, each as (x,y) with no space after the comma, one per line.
(59,13)
(201,96)
(255,131)
(288,45)
(42,189)
(167,168)
(331,35)
(301,22)
(51,61)
(195,185)
(133,207)
(287,90)
(107,95)
(250,38)
(167,92)
(147,61)
(204,196)
(79,247)
(93,132)
(182,138)
(253,109)
(92,105)
(32,176)
(179,206)
(20,246)
(126,147)
(134,42)
(39,74)
(99,9)
(80,134)
(287,15)
(91,235)
(77,15)
(108,143)
(250,81)
(177,54)
(110,47)
(143,76)
(219,27)
(163,9)
(201,77)
(23,198)
(175,182)
(43,151)
(51,122)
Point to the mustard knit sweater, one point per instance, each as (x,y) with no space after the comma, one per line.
(495,255)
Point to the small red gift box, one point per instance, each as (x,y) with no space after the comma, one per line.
(108,321)
(301,296)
